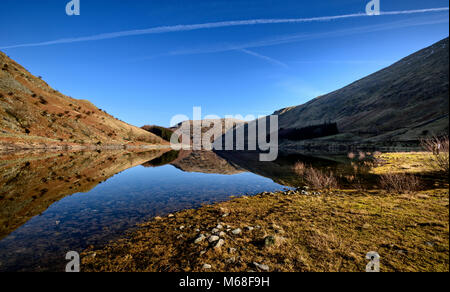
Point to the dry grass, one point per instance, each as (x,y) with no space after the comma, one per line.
(299,168)
(311,233)
(399,183)
(320,180)
(315,178)
(439,146)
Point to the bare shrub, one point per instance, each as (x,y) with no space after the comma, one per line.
(439,146)
(299,168)
(362,155)
(319,180)
(400,183)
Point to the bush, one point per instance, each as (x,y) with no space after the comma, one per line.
(299,168)
(439,147)
(319,180)
(399,183)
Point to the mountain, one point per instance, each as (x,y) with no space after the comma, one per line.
(34,115)
(402,103)
(210,126)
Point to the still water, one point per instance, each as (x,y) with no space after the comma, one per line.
(52,203)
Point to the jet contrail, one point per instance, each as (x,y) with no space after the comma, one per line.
(263,57)
(210,25)
(286,39)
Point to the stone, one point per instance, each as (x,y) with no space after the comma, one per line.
(219,244)
(207,266)
(262,267)
(222,234)
(181,227)
(214,238)
(230,260)
(237,231)
(220,226)
(269,241)
(250,228)
(215,230)
(170,216)
(200,239)
(231,250)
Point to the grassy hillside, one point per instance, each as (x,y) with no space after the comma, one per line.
(403,102)
(34,115)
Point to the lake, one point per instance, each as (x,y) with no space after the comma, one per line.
(52,203)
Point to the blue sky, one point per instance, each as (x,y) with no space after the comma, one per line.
(242,69)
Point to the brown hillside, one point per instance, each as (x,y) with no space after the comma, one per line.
(33,115)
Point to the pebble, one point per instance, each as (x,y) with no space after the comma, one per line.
(222,234)
(200,239)
(269,241)
(207,266)
(236,231)
(219,244)
(250,228)
(214,238)
(231,260)
(170,215)
(262,267)
(231,250)
(215,230)
(220,226)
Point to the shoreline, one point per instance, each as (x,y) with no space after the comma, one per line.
(56,148)
(288,231)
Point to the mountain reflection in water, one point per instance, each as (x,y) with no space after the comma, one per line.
(52,203)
